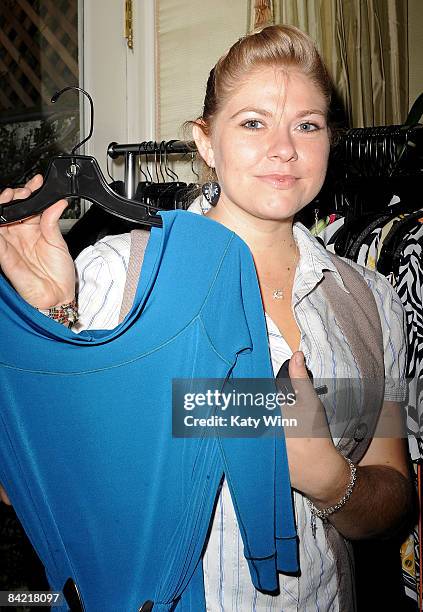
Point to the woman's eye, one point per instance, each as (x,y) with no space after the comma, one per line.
(252,124)
(308,127)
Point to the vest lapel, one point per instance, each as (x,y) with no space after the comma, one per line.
(358,317)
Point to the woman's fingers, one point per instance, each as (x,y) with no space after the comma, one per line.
(49,223)
(309,446)
(6,195)
(20,193)
(297,368)
(309,411)
(53,213)
(49,217)
(35,183)
(33,255)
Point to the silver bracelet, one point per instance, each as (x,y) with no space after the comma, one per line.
(324,513)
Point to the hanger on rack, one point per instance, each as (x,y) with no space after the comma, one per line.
(160,192)
(369,167)
(70,176)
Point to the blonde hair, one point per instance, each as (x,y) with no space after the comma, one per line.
(277,45)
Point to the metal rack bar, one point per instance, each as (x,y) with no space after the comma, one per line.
(114,149)
(132,151)
(130,174)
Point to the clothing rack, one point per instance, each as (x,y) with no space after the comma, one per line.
(384,151)
(132,151)
(362,222)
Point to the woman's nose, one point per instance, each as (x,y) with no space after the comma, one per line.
(281,145)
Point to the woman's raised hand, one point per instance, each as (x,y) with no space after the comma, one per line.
(34,256)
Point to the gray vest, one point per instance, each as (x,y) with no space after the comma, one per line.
(358,317)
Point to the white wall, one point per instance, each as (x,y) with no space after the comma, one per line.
(192,36)
(121,81)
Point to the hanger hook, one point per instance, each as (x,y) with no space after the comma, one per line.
(147,144)
(142,144)
(170,173)
(57,95)
(162,150)
(168,170)
(154,145)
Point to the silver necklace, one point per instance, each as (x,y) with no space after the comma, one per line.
(278,292)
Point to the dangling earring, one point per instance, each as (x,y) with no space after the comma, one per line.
(316,221)
(211,191)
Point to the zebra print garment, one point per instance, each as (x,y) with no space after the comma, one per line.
(409,286)
(406,277)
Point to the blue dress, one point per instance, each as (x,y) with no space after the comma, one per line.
(104,491)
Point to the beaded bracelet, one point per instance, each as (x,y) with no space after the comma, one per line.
(324,513)
(66,313)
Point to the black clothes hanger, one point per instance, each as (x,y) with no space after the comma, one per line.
(148,179)
(370,207)
(161,193)
(373,165)
(185,195)
(95,224)
(79,176)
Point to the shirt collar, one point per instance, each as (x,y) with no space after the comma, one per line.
(314,258)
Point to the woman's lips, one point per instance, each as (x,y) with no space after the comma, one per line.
(279,181)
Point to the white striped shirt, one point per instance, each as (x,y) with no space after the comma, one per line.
(101,272)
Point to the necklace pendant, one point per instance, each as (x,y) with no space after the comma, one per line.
(277,294)
(313,526)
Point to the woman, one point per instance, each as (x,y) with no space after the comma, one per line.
(265,138)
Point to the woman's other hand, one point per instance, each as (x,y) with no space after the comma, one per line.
(34,256)
(316,468)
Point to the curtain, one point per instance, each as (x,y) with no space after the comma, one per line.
(364,45)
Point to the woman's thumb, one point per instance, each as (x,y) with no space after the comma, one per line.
(297,367)
(50,218)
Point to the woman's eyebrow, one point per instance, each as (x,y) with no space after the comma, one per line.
(252,109)
(312,111)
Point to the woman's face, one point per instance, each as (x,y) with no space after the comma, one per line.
(270,144)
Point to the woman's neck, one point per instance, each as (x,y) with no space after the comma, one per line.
(267,239)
